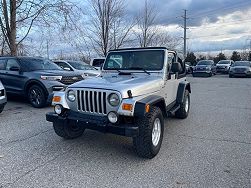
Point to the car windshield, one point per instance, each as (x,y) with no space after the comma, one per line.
(81,65)
(205,62)
(33,64)
(242,63)
(135,60)
(224,62)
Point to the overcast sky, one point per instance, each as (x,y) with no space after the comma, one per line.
(213,24)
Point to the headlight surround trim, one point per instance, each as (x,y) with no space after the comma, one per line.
(71,96)
(113,99)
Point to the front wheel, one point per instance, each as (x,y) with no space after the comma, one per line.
(151,128)
(1,108)
(36,96)
(68,131)
(182,113)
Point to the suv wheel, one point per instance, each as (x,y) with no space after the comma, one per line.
(36,96)
(182,113)
(68,131)
(1,108)
(151,128)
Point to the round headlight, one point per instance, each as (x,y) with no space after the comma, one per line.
(58,109)
(112,116)
(71,96)
(113,99)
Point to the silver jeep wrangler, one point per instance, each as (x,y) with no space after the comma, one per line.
(137,88)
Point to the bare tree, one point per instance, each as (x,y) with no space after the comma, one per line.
(108,30)
(146,20)
(20,15)
(165,39)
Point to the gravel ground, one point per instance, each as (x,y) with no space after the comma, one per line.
(211,148)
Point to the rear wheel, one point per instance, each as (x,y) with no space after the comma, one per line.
(68,131)
(151,128)
(230,76)
(182,113)
(37,96)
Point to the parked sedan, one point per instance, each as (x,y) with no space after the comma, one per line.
(224,66)
(3,98)
(35,78)
(78,67)
(204,67)
(240,68)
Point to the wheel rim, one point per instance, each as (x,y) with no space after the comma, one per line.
(156,132)
(186,104)
(35,96)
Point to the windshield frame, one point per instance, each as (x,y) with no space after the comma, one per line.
(134,70)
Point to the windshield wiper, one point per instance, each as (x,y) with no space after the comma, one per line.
(139,68)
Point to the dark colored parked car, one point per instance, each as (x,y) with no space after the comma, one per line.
(35,78)
(240,68)
(204,67)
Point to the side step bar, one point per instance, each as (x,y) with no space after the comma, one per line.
(174,109)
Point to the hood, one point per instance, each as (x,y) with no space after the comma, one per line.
(137,83)
(91,72)
(55,73)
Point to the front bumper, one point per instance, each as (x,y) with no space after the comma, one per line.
(221,69)
(240,74)
(98,123)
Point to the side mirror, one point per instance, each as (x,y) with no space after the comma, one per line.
(176,67)
(14,68)
(67,68)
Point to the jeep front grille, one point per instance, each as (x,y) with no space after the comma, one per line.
(92,101)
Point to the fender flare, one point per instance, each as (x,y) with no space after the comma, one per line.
(183,86)
(34,82)
(152,100)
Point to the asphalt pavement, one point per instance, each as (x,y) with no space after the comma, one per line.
(211,148)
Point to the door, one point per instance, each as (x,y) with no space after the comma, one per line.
(13,80)
(171,81)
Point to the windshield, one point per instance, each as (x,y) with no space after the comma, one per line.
(135,60)
(224,62)
(205,62)
(33,64)
(81,65)
(242,63)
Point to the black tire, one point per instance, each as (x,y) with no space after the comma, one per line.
(68,131)
(210,74)
(230,76)
(183,112)
(143,143)
(36,96)
(1,108)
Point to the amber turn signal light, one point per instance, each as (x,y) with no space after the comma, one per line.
(56,99)
(127,107)
(147,108)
